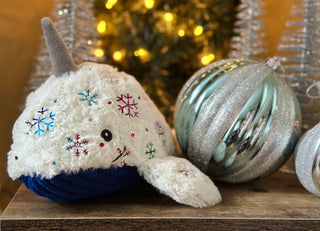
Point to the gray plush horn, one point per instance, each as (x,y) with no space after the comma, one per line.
(60,57)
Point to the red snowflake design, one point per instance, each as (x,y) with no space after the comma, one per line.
(127,105)
(77,144)
(186,172)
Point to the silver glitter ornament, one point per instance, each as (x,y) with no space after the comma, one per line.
(236,120)
(307,160)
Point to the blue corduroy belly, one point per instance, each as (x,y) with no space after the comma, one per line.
(86,183)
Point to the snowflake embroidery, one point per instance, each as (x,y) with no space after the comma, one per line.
(160,131)
(159,128)
(78,145)
(122,153)
(43,122)
(150,152)
(186,172)
(127,105)
(87,97)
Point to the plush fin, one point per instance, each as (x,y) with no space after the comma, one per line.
(181,180)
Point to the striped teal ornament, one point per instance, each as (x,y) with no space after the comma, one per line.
(236,120)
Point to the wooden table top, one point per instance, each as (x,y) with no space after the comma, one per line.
(276,203)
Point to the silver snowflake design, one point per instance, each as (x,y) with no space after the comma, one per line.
(160,131)
(88,97)
(127,105)
(77,145)
(44,121)
(150,151)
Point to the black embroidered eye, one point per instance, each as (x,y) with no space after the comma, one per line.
(106,135)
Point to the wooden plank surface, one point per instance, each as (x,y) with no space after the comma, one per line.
(276,203)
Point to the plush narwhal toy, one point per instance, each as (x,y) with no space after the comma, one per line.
(90,130)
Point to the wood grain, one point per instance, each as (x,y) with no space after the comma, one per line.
(276,203)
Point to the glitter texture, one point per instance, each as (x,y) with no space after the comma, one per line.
(237,121)
(305,156)
(299,55)
(249,40)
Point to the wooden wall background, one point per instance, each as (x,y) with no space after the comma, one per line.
(19,39)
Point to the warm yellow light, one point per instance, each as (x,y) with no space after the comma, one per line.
(98,52)
(149,3)
(117,55)
(143,54)
(102,26)
(110,4)
(168,17)
(181,33)
(140,52)
(198,30)
(207,59)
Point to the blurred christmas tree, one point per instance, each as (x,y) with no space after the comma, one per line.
(162,43)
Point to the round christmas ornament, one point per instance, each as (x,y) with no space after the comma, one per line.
(236,120)
(90,130)
(307,160)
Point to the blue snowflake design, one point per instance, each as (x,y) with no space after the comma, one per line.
(88,97)
(44,121)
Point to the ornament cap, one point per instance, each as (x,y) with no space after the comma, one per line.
(273,63)
(60,56)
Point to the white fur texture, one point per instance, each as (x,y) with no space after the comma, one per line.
(61,130)
(47,153)
(181,180)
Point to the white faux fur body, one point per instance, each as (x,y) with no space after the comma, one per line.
(96,118)
(134,132)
